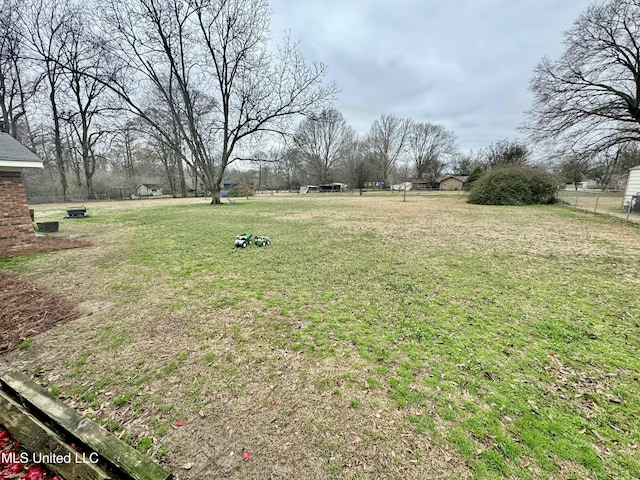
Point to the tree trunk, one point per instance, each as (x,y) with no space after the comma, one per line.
(215,188)
(181,180)
(91,194)
(59,156)
(215,195)
(88,162)
(170,179)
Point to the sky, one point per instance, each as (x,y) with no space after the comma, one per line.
(464,64)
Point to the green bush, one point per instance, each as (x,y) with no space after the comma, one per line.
(240,191)
(473,177)
(514,185)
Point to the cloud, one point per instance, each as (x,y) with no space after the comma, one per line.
(465,64)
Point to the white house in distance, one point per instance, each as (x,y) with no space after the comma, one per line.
(148,190)
(16,229)
(633,185)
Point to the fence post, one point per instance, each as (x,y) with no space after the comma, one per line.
(629,210)
(595,209)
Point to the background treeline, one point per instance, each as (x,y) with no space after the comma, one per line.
(190,95)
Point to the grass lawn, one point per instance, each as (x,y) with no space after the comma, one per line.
(373,338)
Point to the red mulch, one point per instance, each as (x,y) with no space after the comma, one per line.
(12,464)
(46,244)
(26,310)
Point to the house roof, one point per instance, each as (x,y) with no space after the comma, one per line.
(462,178)
(14,155)
(149,185)
(334,184)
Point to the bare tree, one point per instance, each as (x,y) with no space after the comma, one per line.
(123,145)
(387,140)
(429,147)
(16,86)
(289,167)
(503,153)
(265,162)
(359,163)
(86,74)
(71,154)
(210,62)
(616,161)
(322,141)
(466,162)
(629,158)
(573,169)
(46,27)
(168,155)
(589,99)
(154,43)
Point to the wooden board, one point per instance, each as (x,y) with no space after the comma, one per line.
(133,464)
(42,442)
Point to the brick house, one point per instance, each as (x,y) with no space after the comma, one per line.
(452,182)
(16,229)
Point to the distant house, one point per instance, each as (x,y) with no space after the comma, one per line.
(16,229)
(420,184)
(402,187)
(633,186)
(433,183)
(309,189)
(619,182)
(148,190)
(375,185)
(333,187)
(452,182)
(577,186)
(327,188)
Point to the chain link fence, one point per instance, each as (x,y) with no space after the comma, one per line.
(40,199)
(606,202)
(115,195)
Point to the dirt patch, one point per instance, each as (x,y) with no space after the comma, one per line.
(46,244)
(26,310)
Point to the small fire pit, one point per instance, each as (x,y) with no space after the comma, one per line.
(76,212)
(48,226)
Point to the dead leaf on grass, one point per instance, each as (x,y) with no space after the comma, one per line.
(491,376)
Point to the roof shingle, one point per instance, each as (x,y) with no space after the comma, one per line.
(13,153)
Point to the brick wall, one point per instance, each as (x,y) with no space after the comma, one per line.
(16,229)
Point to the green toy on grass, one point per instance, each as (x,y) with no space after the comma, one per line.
(245,239)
